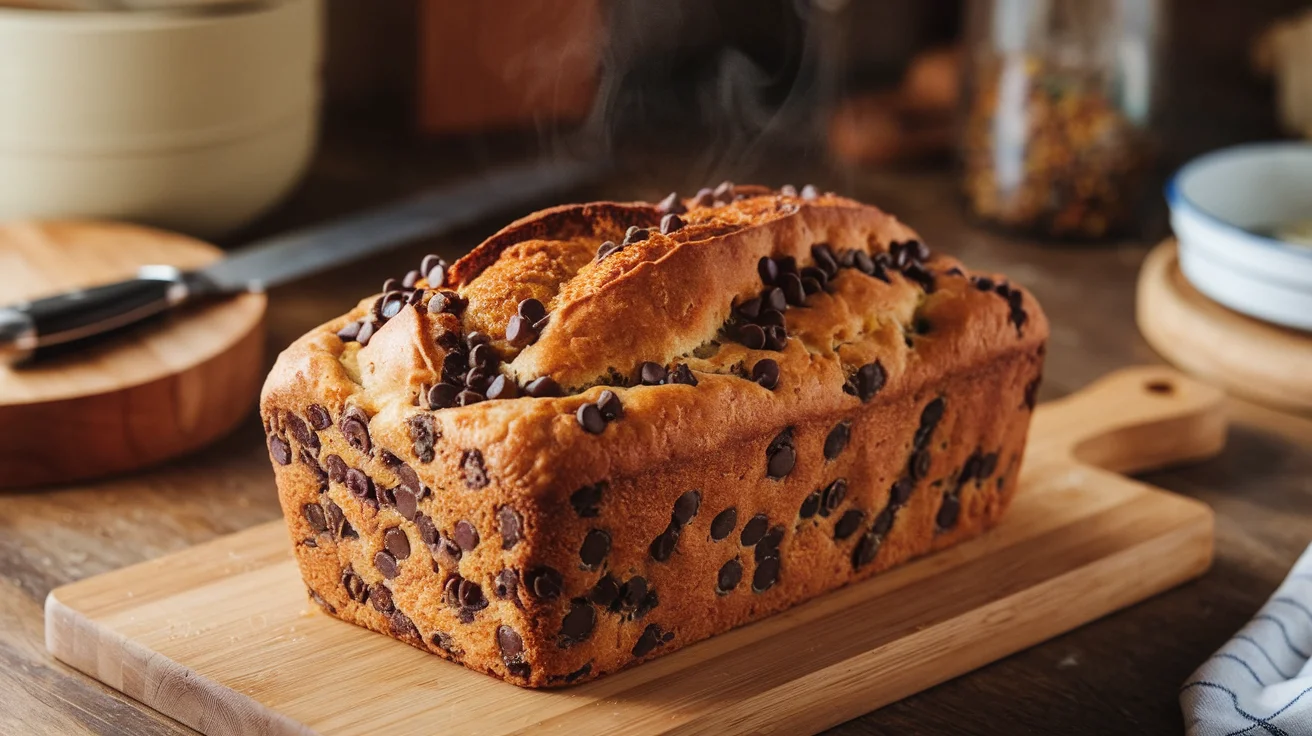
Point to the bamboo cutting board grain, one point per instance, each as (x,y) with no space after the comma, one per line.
(222,637)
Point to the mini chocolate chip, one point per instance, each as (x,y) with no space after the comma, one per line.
(731,573)
(932,413)
(520,332)
(918,465)
(704,197)
(468,398)
(766,575)
(837,439)
(590,419)
(809,192)
(349,332)
(686,506)
(386,564)
(577,625)
(279,450)
(751,336)
(683,375)
(868,380)
(313,514)
(397,543)
(662,547)
(647,641)
(671,204)
(587,499)
(423,433)
(355,427)
(542,387)
(544,582)
(768,270)
(866,549)
(605,592)
(848,523)
(780,456)
(366,333)
(724,523)
(652,374)
(475,473)
(507,583)
(671,223)
(810,505)
(466,535)
(427,530)
(901,490)
(318,416)
(832,496)
(510,523)
(633,592)
(766,373)
(502,388)
(606,248)
(609,405)
(360,485)
(509,642)
(595,547)
(754,530)
(948,512)
(380,596)
(355,586)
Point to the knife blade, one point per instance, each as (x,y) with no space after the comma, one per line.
(27,328)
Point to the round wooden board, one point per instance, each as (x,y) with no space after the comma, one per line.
(157,391)
(1245,356)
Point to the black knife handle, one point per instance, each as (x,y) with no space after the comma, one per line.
(32,327)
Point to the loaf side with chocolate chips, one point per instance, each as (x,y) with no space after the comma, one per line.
(612,430)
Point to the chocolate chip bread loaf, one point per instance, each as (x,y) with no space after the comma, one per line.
(613,430)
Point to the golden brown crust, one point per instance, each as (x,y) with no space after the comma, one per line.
(939,336)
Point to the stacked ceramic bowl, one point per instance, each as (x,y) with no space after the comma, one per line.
(1243,218)
(195,120)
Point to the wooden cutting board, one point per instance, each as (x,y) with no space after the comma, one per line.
(222,637)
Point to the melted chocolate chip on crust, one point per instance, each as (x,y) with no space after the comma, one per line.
(355,586)
(509,642)
(781,456)
(279,450)
(867,381)
(577,625)
(475,473)
(397,543)
(848,523)
(810,505)
(837,439)
(686,506)
(633,592)
(301,431)
(544,582)
(386,564)
(754,530)
(606,592)
(465,535)
(595,547)
(662,547)
(766,373)
(587,500)
(948,512)
(423,435)
(832,496)
(314,514)
(510,524)
(652,374)
(901,491)
(766,575)
(682,375)
(380,596)
(360,485)
(355,427)
(590,419)
(731,573)
(507,584)
(543,387)
(723,523)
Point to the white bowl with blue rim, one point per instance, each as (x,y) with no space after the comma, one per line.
(1243,219)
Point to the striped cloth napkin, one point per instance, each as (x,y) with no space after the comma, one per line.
(1260,682)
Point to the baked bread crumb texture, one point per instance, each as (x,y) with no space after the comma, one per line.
(614,429)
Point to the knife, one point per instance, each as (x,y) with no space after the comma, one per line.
(30,328)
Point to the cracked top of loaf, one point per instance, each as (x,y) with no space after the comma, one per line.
(658,329)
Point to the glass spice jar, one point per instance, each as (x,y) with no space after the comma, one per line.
(1059,95)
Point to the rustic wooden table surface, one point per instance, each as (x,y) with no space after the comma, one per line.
(1117,675)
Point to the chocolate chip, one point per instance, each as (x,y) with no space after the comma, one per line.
(901,490)
(948,512)
(427,530)
(468,398)
(671,223)
(447,552)
(811,285)
(577,625)
(686,506)
(349,332)
(769,544)
(884,522)
(313,514)
(649,604)
(355,427)
(579,673)
(402,627)
(918,465)
(781,456)
(502,388)
(510,524)
(606,248)
(407,503)
(476,382)
(750,309)
(794,293)
(543,387)
(983,283)
(443,396)
(318,416)
(454,367)
(917,273)
(360,485)
(683,375)
(662,547)
(355,586)
(1032,393)
(595,547)
(770,318)
(768,270)
(605,592)
(731,573)
(471,596)
(386,564)
(325,605)
(751,336)
(766,575)
(609,405)
(484,357)
(423,435)
(809,192)
(724,523)
(279,450)
(519,669)
(544,582)
(633,592)
(832,496)
(671,204)
(848,523)
(988,465)
(520,332)
(380,596)
(766,373)
(810,505)
(387,496)
(471,464)
(507,584)
(397,543)
(868,380)
(587,499)
(301,431)
(837,439)
(447,302)
(337,523)
(366,333)
(724,192)
(652,374)
(466,535)
(446,643)
(649,640)
(704,197)
(775,298)
(388,305)
(866,549)
(509,642)
(590,419)
(754,530)
(336,468)
(932,413)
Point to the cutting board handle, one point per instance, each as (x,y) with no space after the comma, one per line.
(1133,420)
